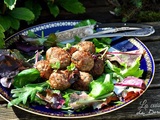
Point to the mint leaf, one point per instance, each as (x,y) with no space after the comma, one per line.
(54,9)
(5,22)
(1,29)
(22,13)
(71,67)
(2,36)
(86,22)
(73,6)
(15,24)
(51,40)
(35,7)
(2,43)
(10,3)
(56,65)
(31,34)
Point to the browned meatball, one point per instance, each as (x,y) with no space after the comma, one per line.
(44,67)
(98,68)
(56,54)
(86,46)
(72,50)
(82,60)
(83,82)
(59,80)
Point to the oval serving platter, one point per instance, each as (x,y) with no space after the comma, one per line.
(122,44)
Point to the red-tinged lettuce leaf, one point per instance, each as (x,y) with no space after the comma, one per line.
(131,93)
(9,68)
(80,101)
(111,99)
(77,100)
(133,82)
(54,99)
(125,57)
(27,47)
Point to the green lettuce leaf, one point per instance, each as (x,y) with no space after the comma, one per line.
(25,77)
(102,86)
(133,70)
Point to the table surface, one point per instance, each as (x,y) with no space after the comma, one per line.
(146,107)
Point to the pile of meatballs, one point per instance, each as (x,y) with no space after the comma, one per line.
(87,66)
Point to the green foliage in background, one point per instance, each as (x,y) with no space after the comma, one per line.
(12,12)
(136,10)
(2,36)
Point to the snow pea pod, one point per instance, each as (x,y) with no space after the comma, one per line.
(25,77)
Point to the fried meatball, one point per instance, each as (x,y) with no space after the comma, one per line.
(72,50)
(82,60)
(59,80)
(44,68)
(56,54)
(98,68)
(83,82)
(86,46)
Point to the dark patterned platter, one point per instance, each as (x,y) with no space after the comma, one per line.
(123,44)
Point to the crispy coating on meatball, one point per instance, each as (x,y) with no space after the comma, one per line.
(98,68)
(59,80)
(83,82)
(86,46)
(56,54)
(72,50)
(44,68)
(82,60)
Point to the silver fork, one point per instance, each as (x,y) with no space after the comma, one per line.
(106,30)
(142,32)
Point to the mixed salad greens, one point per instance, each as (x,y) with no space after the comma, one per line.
(120,81)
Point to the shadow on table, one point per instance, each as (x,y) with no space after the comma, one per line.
(22,115)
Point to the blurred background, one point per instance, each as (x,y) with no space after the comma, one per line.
(16,15)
